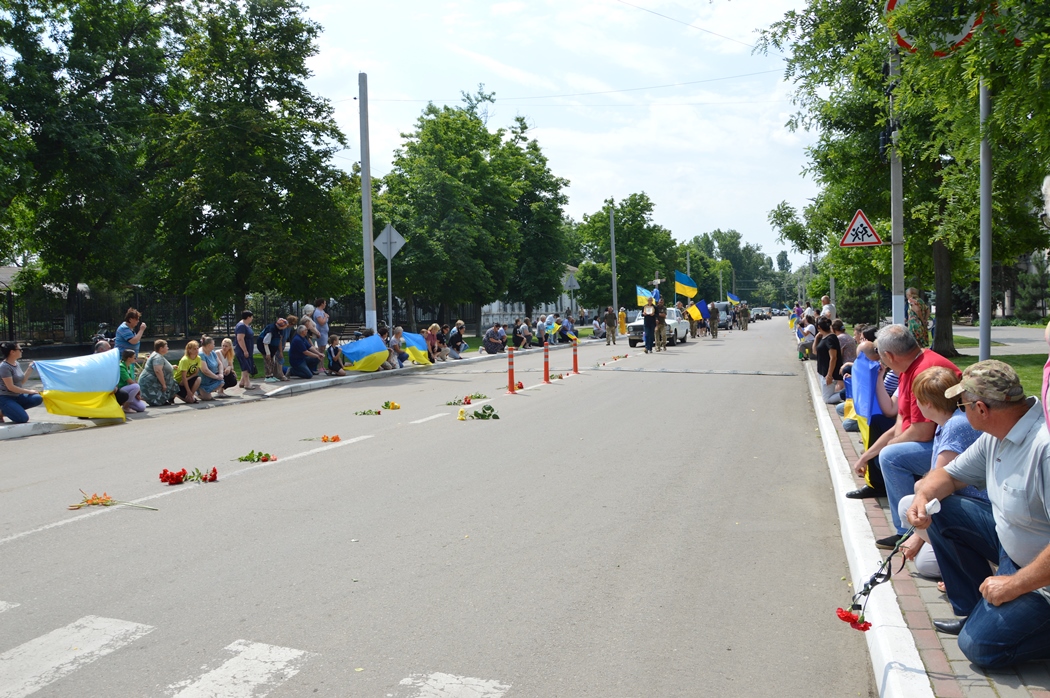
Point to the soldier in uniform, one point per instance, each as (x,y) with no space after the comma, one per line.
(745,316)
(661,326)
(712,320)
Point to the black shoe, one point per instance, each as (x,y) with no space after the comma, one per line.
(866,492)
(950,627)
(889,542)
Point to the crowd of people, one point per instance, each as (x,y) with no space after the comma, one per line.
(971,439)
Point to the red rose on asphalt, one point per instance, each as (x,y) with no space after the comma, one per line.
(863,627)
(846,616)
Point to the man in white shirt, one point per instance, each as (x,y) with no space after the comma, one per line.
(828,310)
(1005,616)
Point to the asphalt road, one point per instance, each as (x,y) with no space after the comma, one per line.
(661,525)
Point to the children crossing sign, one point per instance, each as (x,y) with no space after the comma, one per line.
(860,233)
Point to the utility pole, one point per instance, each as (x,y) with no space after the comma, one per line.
(612,249)
(366,209)
(897,200)
(688,272)
(985,349)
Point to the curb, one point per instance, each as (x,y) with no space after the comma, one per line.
(899,670)
(20,431)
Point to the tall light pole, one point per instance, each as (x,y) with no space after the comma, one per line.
(985,349)
(612,249)
(366,209)
(896,201)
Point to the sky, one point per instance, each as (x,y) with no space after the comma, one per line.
(621,95)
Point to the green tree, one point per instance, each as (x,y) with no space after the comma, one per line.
(643,249)
(82,82)
(453,194)
(783,263)
(245,201)
(540,266)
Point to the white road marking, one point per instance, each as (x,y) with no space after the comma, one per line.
(40,662)
(449,686)
(5,606)
(256,670)
(181,488)
(427,419)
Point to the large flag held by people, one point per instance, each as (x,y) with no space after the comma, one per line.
(683,285)
(366,354)
(694,312)
(864,380)
(702,305)
(733,298)
(643,295)
(416,347)
(82,386)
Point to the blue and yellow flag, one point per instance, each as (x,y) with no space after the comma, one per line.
(694,312)
(684,285)
(864,379)
(643,295)
(733,299)
(702,304)
(82,386)
(416,347)
(366,354)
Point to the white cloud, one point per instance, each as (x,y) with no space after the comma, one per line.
(500,69)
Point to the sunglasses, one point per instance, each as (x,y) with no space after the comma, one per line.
(962,405)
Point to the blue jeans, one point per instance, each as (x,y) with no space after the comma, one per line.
(901,464)
(649,338)
(964,537)
(305,368)
(14,406)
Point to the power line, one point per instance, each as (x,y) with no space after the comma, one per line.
(691,26)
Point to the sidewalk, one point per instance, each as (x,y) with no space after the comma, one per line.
(42,422)
(949,673)
(1015,340)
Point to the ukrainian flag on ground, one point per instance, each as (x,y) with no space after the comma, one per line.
(643,295)
(684,285)
(416,347)
(82,386)
(366,354)
(733,299)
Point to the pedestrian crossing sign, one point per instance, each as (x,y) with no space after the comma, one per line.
(861,233)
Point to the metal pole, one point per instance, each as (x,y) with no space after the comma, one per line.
(896,205)
(985,351)
(688,271)
(366,209)
(389,288)
(612,248)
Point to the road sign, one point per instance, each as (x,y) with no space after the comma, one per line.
(571,284)
(860,233)
(389,242)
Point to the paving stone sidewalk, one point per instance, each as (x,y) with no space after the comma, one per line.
(951,674)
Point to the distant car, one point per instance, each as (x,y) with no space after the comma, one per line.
(762,313)
(677,329)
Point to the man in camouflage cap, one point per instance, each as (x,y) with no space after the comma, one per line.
(1005,618)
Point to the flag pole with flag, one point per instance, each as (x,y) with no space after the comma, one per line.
(735,300)
(643,295)
(684,285)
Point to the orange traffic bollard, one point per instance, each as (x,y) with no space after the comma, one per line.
(510,371)
(546,363)
(575,360)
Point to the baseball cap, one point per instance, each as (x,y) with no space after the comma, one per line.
(990,379)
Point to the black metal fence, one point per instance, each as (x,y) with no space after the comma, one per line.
(40,317)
